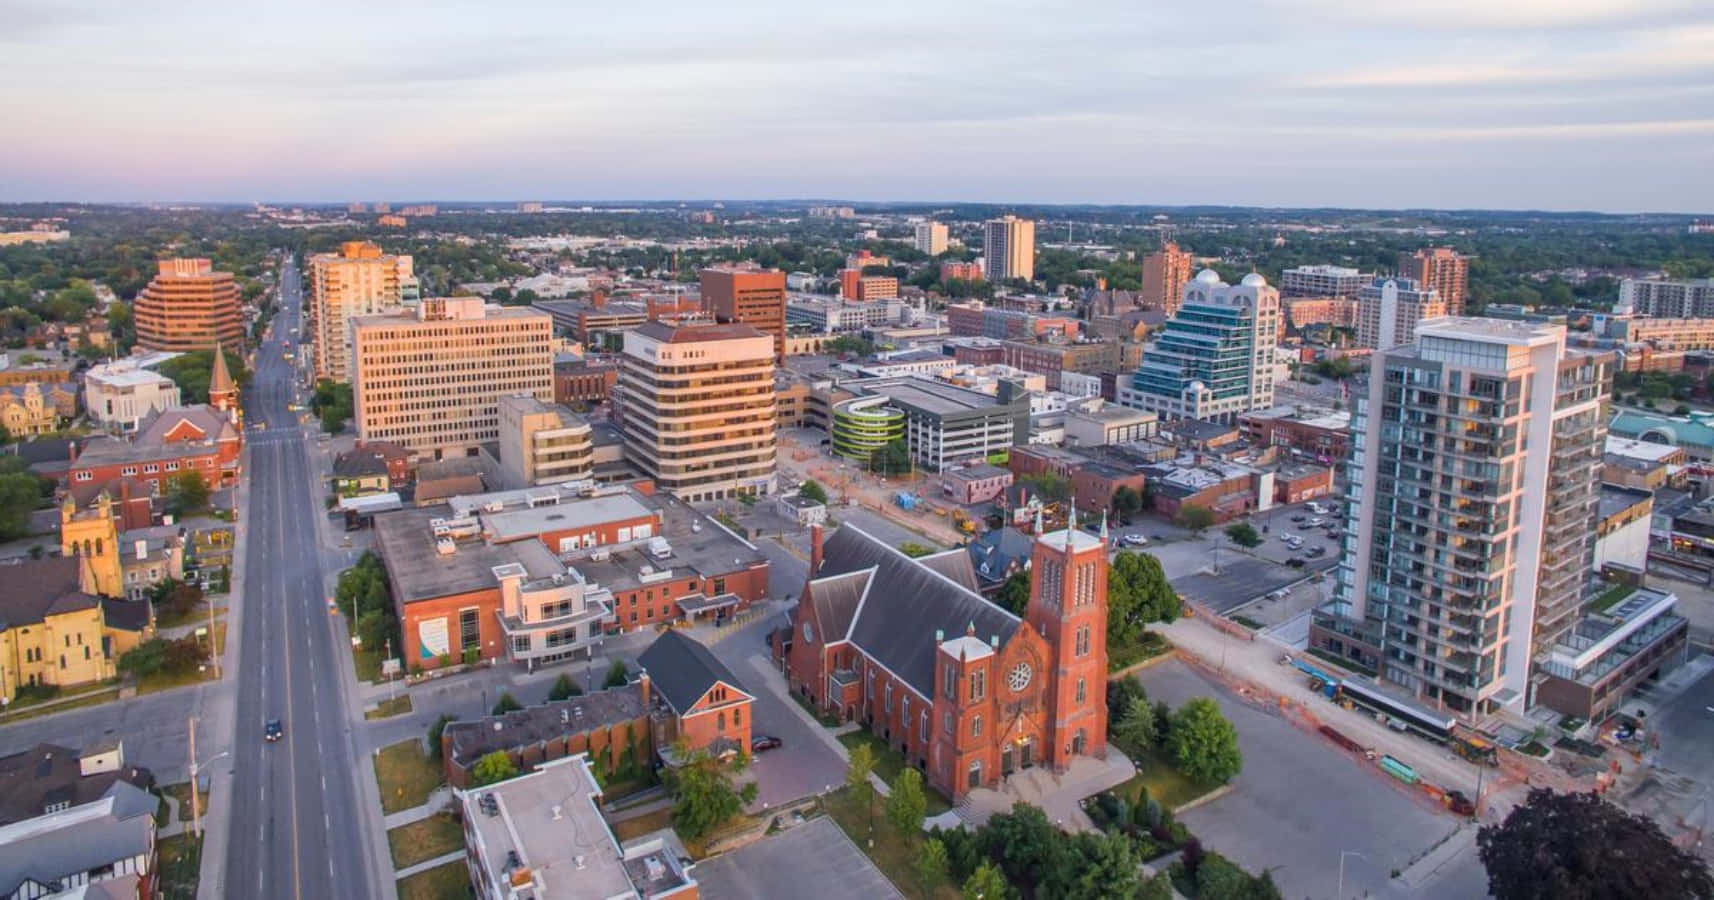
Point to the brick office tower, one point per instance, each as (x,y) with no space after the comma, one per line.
(748,294)
(188,306)
(966,691)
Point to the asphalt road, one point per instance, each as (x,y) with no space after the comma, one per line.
(295,829)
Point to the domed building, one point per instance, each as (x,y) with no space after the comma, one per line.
(1216,358)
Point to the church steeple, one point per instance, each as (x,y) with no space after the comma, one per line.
(222,391)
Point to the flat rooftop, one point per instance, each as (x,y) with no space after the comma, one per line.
(472,739)
(528,522)
(937,398)
(545,830)
(1644,450)
(1615,499)
(420,572)
(1507,331)
(698,545)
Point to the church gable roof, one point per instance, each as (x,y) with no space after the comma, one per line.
(907,602)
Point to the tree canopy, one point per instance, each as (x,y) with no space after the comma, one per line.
(811,490)
(492,768)
(703,797)
(907,803)
(1195,518)
(1558,846)
(1243,534)
(192,371)
(564,688)
(1202,743)
(1137,593)
(1014,593)
(187,493)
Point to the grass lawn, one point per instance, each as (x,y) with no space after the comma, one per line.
(425,839)
(406,776)
(448,882)
(198,614)
(889,763)
(1149,646)
(1170,789)
(180,867)
(161,681)
(368,659)
(181,793)
(397,706)
(1611,596)
(18,712)
(894,854)
(641,825)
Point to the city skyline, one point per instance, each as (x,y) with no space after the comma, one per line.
(1244,102)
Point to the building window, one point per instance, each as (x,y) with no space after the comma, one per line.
(887,704)
(946,722)
(737,716)
(720,721)
(469,630)
(1081,693)
(808,633)
(978,685)
(521,644)
(976,726)
(1083,640)
(951,686)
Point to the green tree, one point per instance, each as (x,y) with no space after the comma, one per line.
(617,675)
(857,769)
(187,493)
(493,768)
(192,371)
(1137,593)
(986,883)
(1243,534)
(1157,888)
(1050,487)
(892,459)
(435,732)
(507,703)
(810,490)
(703,797)
(1577,845)
(1127,502)
(1014,593)
(1218,878)
(1195,518)
(914,549)
(1203,744)
(1136,729)
(931,864)
(1107,867)
(19,494)
(564,688)
(906,804)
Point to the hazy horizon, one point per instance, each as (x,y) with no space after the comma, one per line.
(1529,105)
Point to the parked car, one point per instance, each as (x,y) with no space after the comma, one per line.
(1134,540)
(273,731)
(1299,517)
(1315,551)
(1295,562)
(764,742)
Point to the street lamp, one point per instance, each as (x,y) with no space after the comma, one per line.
(1342,855)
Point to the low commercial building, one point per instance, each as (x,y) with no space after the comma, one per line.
(1322,434)
(837,316)
(1054,359)
(610,727)
(120,394)
(960,271)
(1622,527)
(357,473)
(802,510)
(1694,434)
(1228,490)
(584,380)
(538,575)
(1302,312)
(1644,465)
(541,836)
(1096,423)
(1596,665)
(975,484)
(543,443)
(1301,482)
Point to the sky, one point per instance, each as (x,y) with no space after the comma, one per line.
(1516,104)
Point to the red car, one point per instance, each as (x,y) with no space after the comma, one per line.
(762,742)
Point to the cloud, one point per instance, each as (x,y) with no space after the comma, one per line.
(1487,15)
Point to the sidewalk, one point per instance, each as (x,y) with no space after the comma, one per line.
(425,865)
(777,685)
(215,825)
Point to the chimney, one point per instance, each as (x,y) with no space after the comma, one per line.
(643,686)
(598,299)
(814,550)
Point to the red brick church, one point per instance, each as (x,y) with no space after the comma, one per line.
(966,690)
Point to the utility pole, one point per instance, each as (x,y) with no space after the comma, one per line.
(213,648)
(195,814)
(392,682)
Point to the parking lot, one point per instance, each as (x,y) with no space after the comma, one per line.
(1299,804)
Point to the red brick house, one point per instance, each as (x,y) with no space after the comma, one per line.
(710,708)
(197,438)
(967,691)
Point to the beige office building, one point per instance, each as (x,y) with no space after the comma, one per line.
(698,408)
(1442,270)
(543,443)
(431,379)
(1389,310)
(1009,248)
(931,238)
(359,280)
(1475,475)
(1164,274)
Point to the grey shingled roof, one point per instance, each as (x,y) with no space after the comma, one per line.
(835,600)
(999,549)
(682,670)
(906,604)
(40,587)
